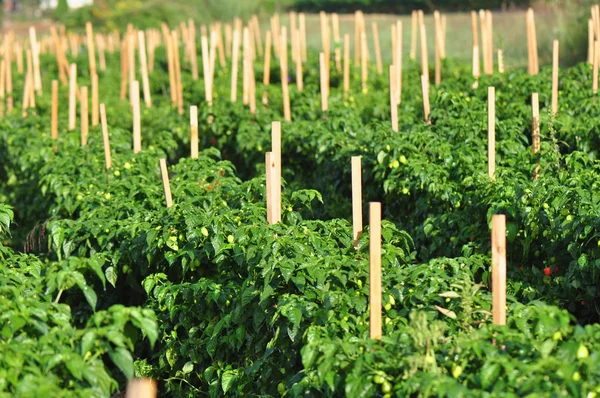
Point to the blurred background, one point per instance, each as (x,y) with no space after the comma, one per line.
(565,20)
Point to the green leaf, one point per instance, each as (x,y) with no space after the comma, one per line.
(488,375)
(448,313)
(227,380)
(295,316)
(188,367)
(121,357)
(111,276)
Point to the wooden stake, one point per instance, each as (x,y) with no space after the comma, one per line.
(165,179)
(437,39)
(90,47)
(364,62)
(257,35)
(491,132)
(323,78)
(335,21)
(302,25)
(555,77)
(375,270)
(357,221)
(131,56)
(425,91)
(535,122)
(500,62)
(219,44)
(346,65)
(484,40)
(177,66)
(393,104)
(95,117)
(9,84)
(276,160)
(101,56)
(144,68)
(399,49)
(377,48)
(287,112)
(590,41)
(84,115)
(424,55)
(234,64)
(19,56)
(413,36)
(490,45)
(532,43)
(105,139)
(72,97)
(141,388)
(499,269)
(245,62)
(299,77)
(124,69)
(194,131)
(268,188)
(137,128)
(443,37)
(54,125)
(35,53)
(476,69)
(595,68)
(267,68)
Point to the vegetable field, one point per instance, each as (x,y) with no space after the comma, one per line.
(227,213)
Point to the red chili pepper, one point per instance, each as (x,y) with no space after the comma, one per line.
(521,268)
(547,271)
(556,270)
(213,142)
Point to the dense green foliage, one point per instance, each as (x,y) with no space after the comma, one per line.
(234,306)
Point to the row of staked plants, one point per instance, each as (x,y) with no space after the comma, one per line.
(101,282)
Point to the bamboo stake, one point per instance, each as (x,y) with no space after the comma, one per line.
(267,68)
(101,56)
(124,77)
(375,270)
(2,86)
(335,20)
(535,129)
(443,37)
(532,42)
(9,85)
(293,36)
(476,69)
(277,35)
(500,61)
(491,132)
(302,24)
(399,49)
(131,56)
(54,124)
(590,41)
(19,58)
(346,65)
(268,188)
(425,91)
(177,66)
(287,113)
(499,269)
(72,96)
(257,35)
(84,115)
(245,62)
(357,220)
(95,116)
(90,47)
(393,104)
(437,39)
(165,179)
(299,76)
(595,68)
(35,53)
(413,36)
(228,40)
(363,62)
(144,68)
(105,139)
(276,160)
(490,44)
(137,129)
(141,388)
(194,131)
(424,55)
(377,48)
(26,89)
(484,40)
(357,39)
(555,67)
(171,64)
(323,78)
(221,51)
(234,64)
